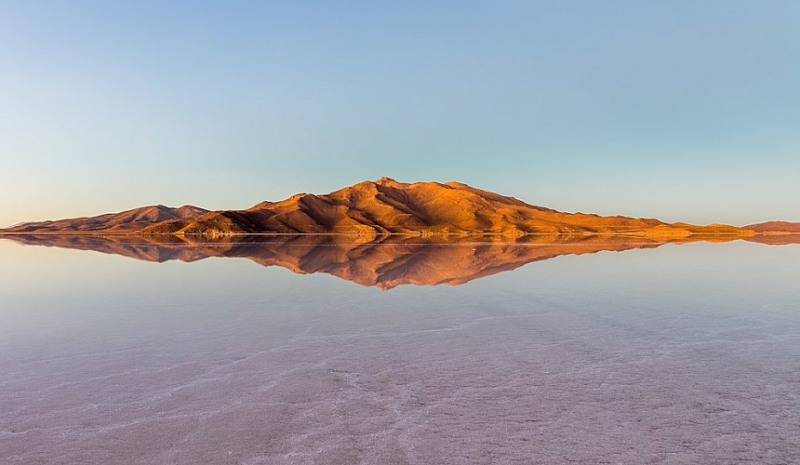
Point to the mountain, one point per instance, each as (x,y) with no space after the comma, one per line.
(379,208)
(775,233)
(386,263)
(129,221)
(776,226)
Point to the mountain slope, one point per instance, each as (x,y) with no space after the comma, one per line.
(379,208)
(127,221)
(425,208)
(776,226)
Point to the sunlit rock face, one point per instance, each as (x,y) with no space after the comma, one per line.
(386,263)
(379,208)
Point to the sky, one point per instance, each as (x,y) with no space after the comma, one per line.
(679,110)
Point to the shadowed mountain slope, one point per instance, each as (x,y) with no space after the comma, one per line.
(379,208)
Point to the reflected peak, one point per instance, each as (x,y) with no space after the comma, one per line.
(385,264)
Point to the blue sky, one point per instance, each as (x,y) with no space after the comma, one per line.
(681,110)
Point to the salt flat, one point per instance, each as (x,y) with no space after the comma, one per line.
(683,354)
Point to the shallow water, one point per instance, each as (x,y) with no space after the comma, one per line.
(680,354)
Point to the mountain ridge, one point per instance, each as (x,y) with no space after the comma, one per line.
(133,219)
(377,208)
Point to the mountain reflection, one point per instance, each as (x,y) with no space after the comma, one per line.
(386,263)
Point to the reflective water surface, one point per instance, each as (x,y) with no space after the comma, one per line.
(664,353)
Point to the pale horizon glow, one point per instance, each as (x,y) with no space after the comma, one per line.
(677,110)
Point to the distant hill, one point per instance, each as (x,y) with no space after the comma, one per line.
(129,221)
(378,208)
(776,233)
(776,226)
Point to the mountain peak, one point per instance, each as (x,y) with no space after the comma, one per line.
(386,180)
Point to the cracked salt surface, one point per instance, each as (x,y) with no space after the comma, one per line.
(678,355)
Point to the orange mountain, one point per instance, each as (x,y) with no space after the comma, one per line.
(783,227)
(123,222)
(776,233)
(380,208)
